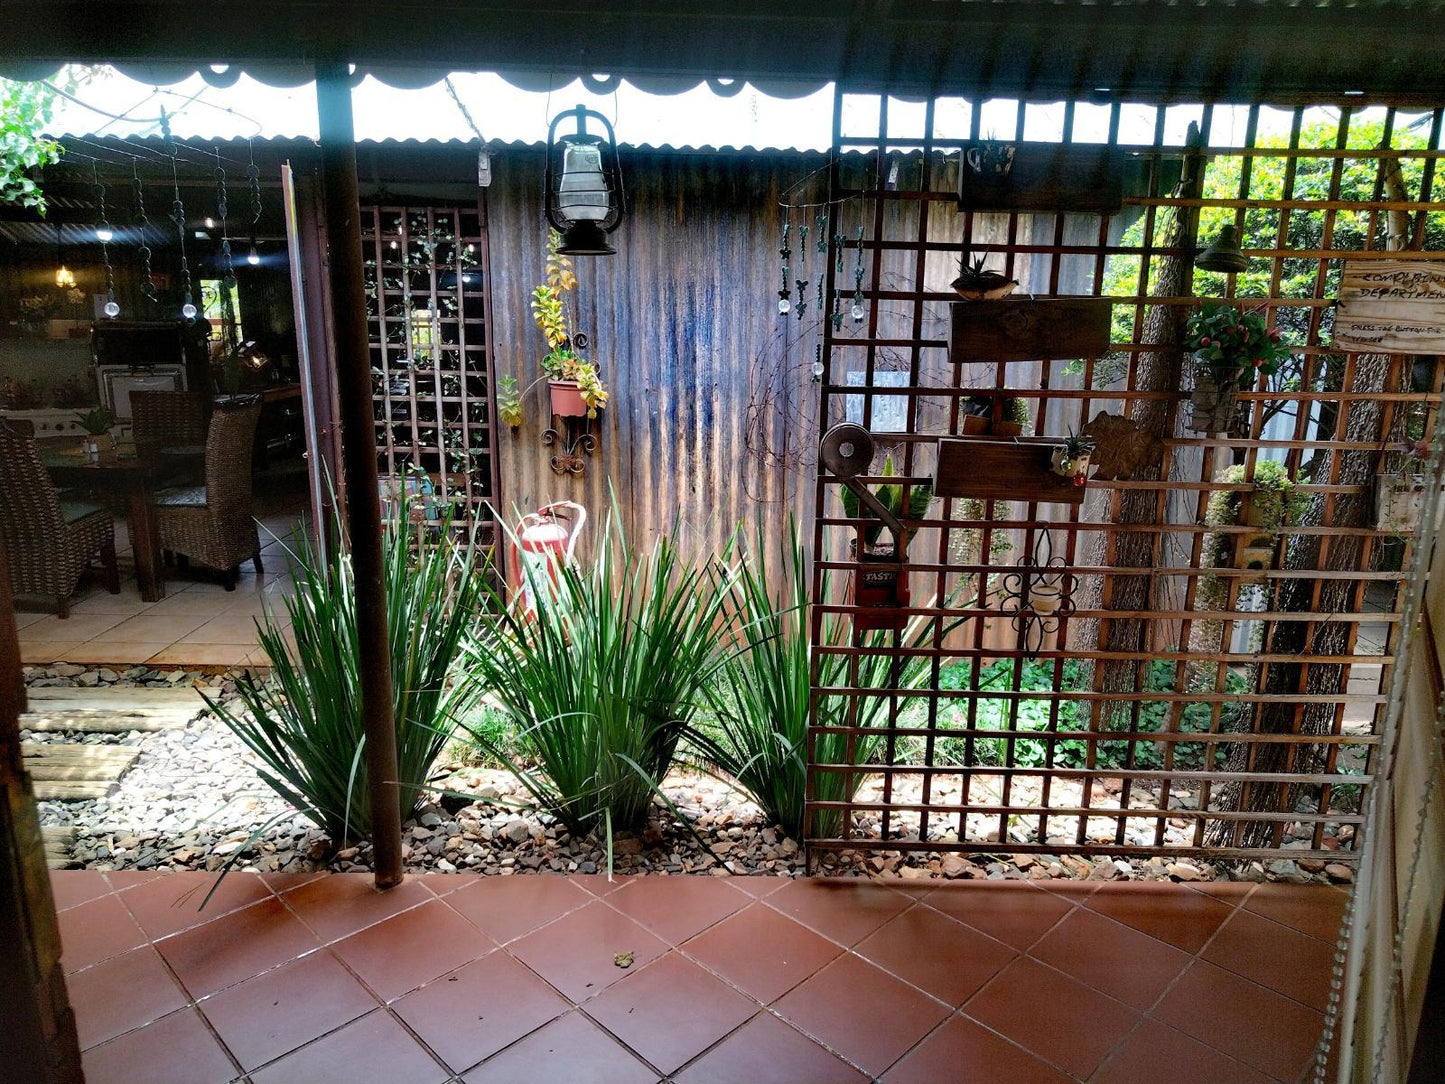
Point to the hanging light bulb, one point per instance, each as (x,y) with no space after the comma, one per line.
(253,257)
(104,234)
(112,309)
(188,311)
(64,277)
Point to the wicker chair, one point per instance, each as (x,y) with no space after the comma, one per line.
(212,524)
(168,419)
(48,542)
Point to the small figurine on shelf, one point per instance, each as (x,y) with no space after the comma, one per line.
(1071,458)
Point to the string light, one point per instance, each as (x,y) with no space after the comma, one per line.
(104,234)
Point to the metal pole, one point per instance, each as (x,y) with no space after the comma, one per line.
(358,455)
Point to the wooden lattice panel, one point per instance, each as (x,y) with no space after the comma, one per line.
(1180,702)
(431,366)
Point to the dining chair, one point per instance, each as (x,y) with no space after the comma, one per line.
(49,542)
(212,524)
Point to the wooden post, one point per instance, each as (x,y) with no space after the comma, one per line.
(38,1041)
(358,451)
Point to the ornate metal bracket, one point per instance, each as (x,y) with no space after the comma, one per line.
(575,441)
(1038,596)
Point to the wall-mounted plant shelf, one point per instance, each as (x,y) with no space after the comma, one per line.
(1001,470)
(1025,329)
(1001,176)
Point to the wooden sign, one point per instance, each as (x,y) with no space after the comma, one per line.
(1022,329)
(1001,470)
(1392,307)
(995,176)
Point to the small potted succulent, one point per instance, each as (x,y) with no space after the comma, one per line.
(98,444)
(976,283)
(574,386)
(1231,350)
(1071,458)
(978,416)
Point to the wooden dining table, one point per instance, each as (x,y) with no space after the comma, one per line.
(136,476)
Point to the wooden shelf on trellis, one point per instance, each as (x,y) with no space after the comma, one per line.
(990,469)
(1028,329)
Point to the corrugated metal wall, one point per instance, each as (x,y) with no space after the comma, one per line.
(710,419)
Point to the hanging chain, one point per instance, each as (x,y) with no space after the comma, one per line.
(104,234)
(253,176)
(228,274)
(178,215)
(148,282)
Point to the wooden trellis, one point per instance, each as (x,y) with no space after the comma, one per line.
(429,309)
(1181,707)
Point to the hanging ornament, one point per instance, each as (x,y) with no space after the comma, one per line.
(802,244)
(229,335)
(785,304)
(148,282)
(802,296)
(858,311)
(178,215)
(822,233)
(818,368)
(104,234)
(253,177)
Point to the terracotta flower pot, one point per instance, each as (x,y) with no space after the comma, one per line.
(566,399)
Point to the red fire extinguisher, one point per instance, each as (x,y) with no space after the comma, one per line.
(545,543)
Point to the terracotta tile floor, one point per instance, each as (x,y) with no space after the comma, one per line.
(509,980)
(198,623)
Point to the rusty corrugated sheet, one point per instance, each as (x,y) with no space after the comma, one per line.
(708,384)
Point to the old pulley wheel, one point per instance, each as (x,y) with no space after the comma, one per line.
(847,450)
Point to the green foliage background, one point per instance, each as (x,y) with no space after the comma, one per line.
(25,109)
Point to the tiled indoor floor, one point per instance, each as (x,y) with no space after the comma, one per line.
(309,979)
(198,623)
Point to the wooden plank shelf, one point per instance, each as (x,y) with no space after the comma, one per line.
(1029,329)
(1001,470)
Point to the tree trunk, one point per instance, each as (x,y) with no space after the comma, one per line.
(1155,371)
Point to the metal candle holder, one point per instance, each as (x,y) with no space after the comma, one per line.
(1039,596)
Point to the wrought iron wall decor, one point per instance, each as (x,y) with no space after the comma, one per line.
(1038,596)
(574,440)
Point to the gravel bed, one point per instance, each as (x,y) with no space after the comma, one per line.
(193,800)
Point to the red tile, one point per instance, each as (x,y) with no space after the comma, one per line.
(1062,1021)
(670,1011)
(962,1050)
(374,1048)
(442,884)
(758,886)
(863,1013)
(121,994)
(845,910)
(343,903)
(1181,916)
(1015,912)
(121,879)
(598,884)
(761,951)
(504,908)
(176,1049)
(1231,892)
(1111,957)
(472,1013)
(285,882)
(71,887)
(676,908)
(1246,1021)
(578,952)
(173,901)
(933,952)
(1155,1052)
(235,947)
(274,1013)
(767,1051)
(411,948)
(1276,956)
(1311,909)
(572,1049)
(95,931)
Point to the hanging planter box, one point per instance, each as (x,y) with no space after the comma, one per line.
(1001,470)
(1399,502)
(567,399)
(1025,329)
(880,586)
(1212,406)
(1022,176)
